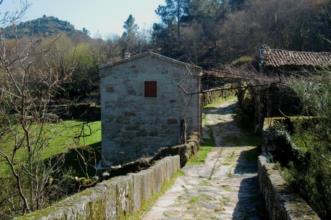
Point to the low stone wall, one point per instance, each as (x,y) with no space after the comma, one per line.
(185,152)
(211,96)
(81,111)
(281,202)
(113,199)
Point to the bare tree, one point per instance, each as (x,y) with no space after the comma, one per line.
(278,23)
(30,77)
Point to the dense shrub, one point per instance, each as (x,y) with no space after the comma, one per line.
(309,169)
(269,101)
(245,113)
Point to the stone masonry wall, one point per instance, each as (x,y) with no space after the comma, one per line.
(281,202)
(135,126)
(185,152)
(113,199)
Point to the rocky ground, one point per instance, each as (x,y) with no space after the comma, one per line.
(225,186)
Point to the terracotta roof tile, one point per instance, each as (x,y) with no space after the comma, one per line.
(277,58)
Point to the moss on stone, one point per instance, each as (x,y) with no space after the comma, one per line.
(147,205)
(112,199)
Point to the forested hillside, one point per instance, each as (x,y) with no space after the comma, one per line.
(213,32)
(208,32)
(42,27)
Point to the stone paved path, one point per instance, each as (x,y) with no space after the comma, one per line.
(225,187)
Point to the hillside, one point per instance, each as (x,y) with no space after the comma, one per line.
(42,27)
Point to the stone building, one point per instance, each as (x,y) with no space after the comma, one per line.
(148,101)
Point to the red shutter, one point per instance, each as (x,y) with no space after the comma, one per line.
(150,89)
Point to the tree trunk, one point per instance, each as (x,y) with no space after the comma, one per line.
(178,18)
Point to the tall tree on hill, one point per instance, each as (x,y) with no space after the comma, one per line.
(173,12)
(167,34)
(189,34)
(129,36)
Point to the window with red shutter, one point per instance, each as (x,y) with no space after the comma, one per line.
(150,89)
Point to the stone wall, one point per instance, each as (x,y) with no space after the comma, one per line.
(116,198)
(281,202)
(135,126)
(185,152)
(211,96)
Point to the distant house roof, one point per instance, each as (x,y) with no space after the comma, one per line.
(276,58)
(145,54)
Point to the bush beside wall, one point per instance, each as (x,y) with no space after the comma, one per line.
(301,154)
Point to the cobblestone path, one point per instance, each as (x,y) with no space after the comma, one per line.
(225,186)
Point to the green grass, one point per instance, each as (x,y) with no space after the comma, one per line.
(60,138)
(206,146)
(147,205)
(208,143)
(194,199)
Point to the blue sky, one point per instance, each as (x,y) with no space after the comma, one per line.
(101,17)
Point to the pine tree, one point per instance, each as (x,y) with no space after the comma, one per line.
(129,35)
(173,12)
(130,27)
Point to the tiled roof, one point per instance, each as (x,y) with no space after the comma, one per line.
(145,54)
(278,58)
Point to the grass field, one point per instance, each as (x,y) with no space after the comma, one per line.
(60,137)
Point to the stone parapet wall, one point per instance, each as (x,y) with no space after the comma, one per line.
(281,202)
(116,198)
(185,151)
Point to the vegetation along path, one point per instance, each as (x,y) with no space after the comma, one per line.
(225,185)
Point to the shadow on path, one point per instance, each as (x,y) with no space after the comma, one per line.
(250,203)
(230,109)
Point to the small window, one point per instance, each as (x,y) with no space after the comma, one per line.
(150,89)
